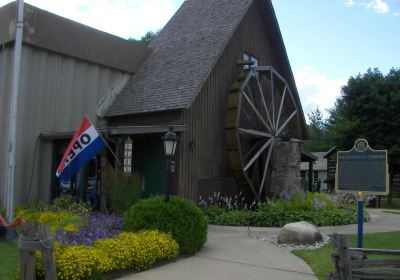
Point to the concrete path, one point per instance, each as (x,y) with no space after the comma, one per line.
(230,255)
(237,253)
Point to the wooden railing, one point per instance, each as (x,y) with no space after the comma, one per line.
(352,263)
(36,237)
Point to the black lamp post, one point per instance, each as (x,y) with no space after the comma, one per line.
(170,141)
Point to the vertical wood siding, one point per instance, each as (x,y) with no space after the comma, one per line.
(5,87)
(55,93)
(204,144)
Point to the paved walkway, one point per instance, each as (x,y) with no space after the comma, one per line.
(236,253)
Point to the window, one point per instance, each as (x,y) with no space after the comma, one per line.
(315,177)
(249,57)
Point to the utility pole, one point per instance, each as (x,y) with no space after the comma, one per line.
(12,128)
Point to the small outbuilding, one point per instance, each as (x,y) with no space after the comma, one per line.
(318,172)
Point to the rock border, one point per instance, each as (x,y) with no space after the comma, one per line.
(274,240)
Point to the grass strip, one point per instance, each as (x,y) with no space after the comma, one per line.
(9,259)
(320,259)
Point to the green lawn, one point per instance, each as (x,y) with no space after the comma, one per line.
(395,203)
(392,212)
(9,257)
(320,259)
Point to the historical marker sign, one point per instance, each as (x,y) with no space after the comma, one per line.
(362,170)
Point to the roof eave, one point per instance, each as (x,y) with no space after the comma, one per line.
(58,34)
(283,52)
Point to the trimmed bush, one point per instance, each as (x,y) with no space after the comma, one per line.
(180,217)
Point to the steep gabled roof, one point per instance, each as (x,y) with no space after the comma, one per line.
(185,52)
(183,55)
(330,152)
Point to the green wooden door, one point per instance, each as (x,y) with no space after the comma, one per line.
(149,162)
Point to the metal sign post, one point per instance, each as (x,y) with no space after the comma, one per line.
(361,171)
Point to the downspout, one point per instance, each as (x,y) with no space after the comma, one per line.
(3,192)
(2,69)
(12,135)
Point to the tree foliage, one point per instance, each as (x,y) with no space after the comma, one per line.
(147,38)
(317,128)
(369,107)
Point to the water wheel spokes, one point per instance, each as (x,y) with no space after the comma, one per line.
(262,112)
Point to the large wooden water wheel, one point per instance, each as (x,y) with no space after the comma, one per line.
(261,111)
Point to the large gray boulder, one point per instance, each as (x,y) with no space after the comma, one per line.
(300,233)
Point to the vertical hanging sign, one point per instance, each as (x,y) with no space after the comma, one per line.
(128,155)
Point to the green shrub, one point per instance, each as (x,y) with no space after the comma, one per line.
(181,218)
(317,208)
(212,212)
(123,190)
(278,217)
(301,201)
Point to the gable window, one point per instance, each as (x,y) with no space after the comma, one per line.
(249,57)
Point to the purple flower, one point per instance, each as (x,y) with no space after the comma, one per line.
(318,204)
(286,195)
(97,226)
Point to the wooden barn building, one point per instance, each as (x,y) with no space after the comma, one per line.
(66,69)
(218,73)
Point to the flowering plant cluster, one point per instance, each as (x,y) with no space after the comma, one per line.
(317,208)
(237,202)
(87,244)
(61,219)
(286,195)
(126,251)
(70,204)
(349,199)
(66,203)
(318,204)
(96,226)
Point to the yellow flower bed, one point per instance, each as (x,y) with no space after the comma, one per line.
(55,220)
(126,251)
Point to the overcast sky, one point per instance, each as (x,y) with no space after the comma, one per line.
(327,40)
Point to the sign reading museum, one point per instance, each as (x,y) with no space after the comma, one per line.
(362,170)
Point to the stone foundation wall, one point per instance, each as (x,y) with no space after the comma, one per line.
(285,168)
